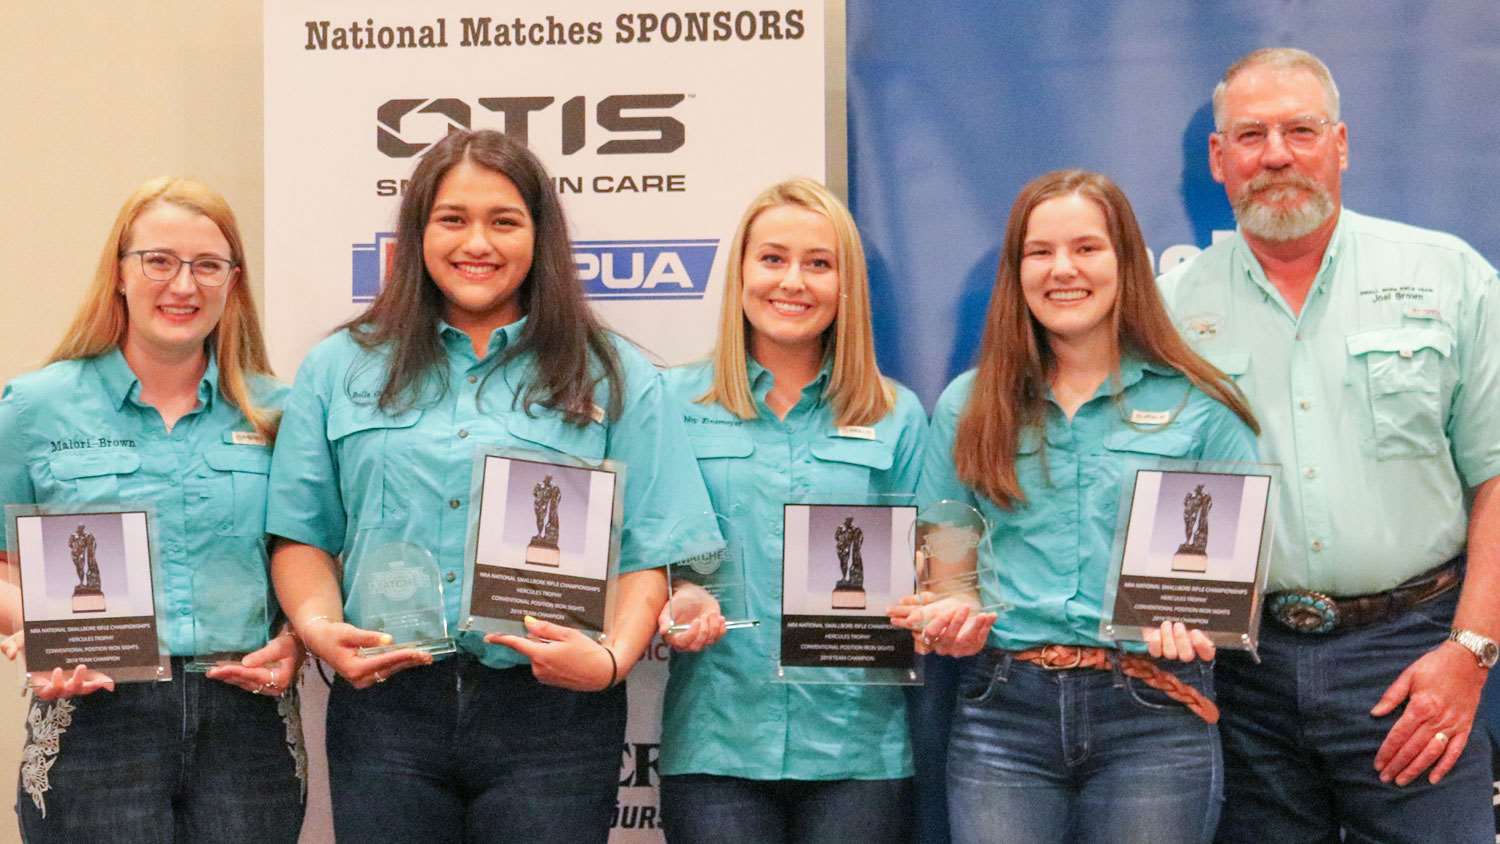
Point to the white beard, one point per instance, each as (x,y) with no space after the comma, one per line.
(1279,224)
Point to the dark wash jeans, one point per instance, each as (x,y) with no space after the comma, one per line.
(1080,755)
(188,760)
(1299,742)
(457,752)
(707,809)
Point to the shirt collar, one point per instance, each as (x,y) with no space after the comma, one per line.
(500,338)
(762,379)
(121,383)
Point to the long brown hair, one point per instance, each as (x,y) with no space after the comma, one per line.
(572,350)
(102,321)
(856,389)
(1015,357)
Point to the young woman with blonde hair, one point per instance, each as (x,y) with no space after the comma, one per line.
(163,378)
(790,405)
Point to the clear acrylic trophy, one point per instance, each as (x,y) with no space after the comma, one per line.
(231,612)
(397,590)
(710,579)
(949,564)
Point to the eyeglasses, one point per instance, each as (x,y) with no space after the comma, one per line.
(1297,133)
(209,271)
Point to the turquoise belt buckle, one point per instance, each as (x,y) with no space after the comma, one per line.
(1304,611)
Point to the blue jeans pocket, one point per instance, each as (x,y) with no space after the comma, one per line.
(1199,675)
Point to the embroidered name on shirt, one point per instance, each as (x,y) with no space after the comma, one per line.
(1150,417)
(95,442)
(855,432)
(1403,293)
(704,420)
(247,438)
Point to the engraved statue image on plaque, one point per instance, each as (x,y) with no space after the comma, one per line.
(849,592)
(1192,555)
(542,550)
(87,595)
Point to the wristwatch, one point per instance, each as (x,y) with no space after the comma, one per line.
(1484,648)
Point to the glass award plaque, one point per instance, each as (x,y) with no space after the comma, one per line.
(949,564)
(710,580)
(846,559)
(397,590)
(1193,544)
(87,578)
(544,541)
(231,612)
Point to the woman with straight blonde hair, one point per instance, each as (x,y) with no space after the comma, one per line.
(1082,379)
(162,390)
(790,404)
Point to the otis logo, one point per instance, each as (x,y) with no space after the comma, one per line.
(644,269)
(642,115)
(609,269)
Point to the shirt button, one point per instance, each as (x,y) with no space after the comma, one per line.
(1305,404)
(1317,545)
(450,576)
(1309,472)
(463,434)
(184,610)
(453,502)
(473,379)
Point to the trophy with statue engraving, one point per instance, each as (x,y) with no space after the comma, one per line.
(542,549)
(88,596)
(849,591)
(1192,555)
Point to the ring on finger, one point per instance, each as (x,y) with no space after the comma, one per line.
(926,641)
(1440,737)
(379,678)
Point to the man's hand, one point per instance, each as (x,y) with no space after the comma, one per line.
(1441,691)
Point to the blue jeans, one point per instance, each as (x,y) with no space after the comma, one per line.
(1299,742)
(456,751)
(192,759)
(1079,755)
(706,809)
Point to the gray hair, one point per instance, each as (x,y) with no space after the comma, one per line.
(1283,58)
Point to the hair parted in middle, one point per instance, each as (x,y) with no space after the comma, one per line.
(1015,357)
(858,392)
(572,351)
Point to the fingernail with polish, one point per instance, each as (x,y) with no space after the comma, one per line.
(530,619)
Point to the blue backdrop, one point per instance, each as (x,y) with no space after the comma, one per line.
(953,106)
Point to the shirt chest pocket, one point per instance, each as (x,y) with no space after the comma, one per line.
(231,497)
(90,477)
(845,466)
(722,456)
(547,433)
(1127,451)
(364,440)
(1403,369)
(1237,366)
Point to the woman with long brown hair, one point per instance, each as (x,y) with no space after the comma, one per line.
(1059,735)
(162,380)
(481,335)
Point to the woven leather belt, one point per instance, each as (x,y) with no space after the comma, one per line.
(1145,669)
(1306,611)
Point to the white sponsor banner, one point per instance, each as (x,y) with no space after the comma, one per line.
(658,122)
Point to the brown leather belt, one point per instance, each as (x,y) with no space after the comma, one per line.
(1306,611)
(1145,669)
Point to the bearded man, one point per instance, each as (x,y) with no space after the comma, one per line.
(1370,351)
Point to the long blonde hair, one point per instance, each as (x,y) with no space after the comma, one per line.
(856,389)
(102,320)
(1015,357)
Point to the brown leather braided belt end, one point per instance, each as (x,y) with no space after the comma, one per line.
(1145,669)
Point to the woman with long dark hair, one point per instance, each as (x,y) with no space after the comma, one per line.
(480,336)
(163,374)
(1082,377)
(791,404)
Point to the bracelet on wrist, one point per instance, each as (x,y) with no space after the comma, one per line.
(614,668)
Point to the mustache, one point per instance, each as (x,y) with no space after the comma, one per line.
(1271,181)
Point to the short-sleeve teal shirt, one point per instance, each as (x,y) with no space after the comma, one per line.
(77,433)
(1053,552)
(723,714)
(345,470)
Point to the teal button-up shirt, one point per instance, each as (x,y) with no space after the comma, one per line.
(723,713)
(1381,399)
(349,476)
(1053,552)
(77,433)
